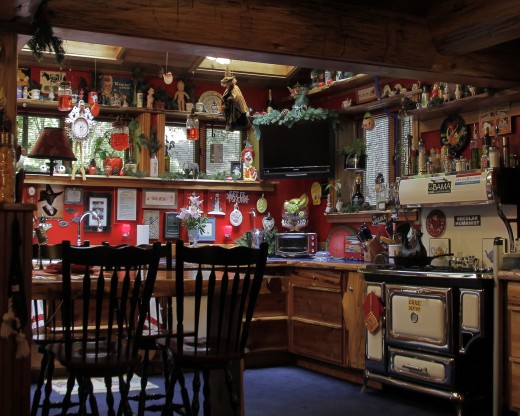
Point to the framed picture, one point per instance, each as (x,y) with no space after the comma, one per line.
(73,195)
(209,233)
(492,117)
(151,217)
(365,95)
(101,204)
(156,198)
(236,170)
(126,204)
(439,246)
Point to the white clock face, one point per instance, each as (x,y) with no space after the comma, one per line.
(80,128)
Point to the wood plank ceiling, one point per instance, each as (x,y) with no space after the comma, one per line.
(467,41)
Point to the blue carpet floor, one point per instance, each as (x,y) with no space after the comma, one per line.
(293,391)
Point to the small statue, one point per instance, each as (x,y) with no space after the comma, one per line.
(249,172)
(149,99)
(181,96)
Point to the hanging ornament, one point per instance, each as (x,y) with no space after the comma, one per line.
(368,122)
(235,218)
(261,204)
(167,76)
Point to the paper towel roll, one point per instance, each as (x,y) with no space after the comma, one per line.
(143,234)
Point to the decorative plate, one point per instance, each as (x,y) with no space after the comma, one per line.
(436,223)
(336,241)
(212,101)
(454,134)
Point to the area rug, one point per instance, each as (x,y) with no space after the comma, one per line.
(60,385)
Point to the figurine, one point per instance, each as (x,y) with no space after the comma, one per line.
(235,107)
(181,96)
(249,172)
(149,99)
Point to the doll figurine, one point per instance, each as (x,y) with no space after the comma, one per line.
(181,96)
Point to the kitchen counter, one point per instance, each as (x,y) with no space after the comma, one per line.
(309,262)
(509,274)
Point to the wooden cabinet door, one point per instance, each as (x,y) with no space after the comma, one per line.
(355,334)
(316,322)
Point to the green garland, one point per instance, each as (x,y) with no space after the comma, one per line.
(289,117)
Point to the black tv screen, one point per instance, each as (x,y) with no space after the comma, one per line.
(305,149)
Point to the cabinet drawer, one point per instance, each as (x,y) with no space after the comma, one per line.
(514,331)
(514,385)
(317,341)
(513,293)
(317,277)
(315,304)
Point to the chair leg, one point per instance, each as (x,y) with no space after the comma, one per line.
(207,393)
(195,405)
(169,407)
(144,382)
(39,385)
(48,386)
(233,398)
(110,396)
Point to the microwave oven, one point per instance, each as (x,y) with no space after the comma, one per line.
(295,244)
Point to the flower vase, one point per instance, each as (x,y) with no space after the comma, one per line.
(154,166)
(193,237)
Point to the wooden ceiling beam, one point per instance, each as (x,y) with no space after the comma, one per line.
(338,35)
(467,26)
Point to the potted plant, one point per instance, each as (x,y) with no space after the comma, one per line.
(111,162)
(355,154)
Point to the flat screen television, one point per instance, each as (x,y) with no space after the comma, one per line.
(307,149)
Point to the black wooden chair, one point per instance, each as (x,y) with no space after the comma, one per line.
(231,279)
(47,329)
(103,316)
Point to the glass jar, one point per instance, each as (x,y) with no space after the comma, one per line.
(64,96)
(119,138)
(7,167)
(192,126)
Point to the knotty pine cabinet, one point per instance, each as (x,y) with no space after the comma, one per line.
(325,318)
(513,345)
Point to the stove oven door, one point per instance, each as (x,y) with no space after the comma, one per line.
(419,317)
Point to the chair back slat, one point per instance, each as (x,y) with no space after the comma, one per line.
(226,286)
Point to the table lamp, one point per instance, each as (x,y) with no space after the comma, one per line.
(53,144)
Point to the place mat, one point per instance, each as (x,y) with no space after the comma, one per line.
(336,240)
(60,385)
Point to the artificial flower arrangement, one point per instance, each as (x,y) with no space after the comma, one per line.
(192,216)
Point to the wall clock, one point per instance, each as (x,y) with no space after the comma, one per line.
(81,122)
(436,223)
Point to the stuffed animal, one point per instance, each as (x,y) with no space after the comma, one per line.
(235,107)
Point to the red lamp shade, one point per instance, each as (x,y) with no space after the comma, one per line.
(53,144)
(125,229)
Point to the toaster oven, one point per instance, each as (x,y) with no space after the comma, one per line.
(296,244)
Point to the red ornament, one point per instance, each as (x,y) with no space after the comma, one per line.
(436,223)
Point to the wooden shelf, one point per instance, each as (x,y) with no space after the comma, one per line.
(26,105)
(366,216)
(134,182)
(387,102)
(466,104)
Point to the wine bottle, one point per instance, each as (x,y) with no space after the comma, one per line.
(269,102)
(357,198)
